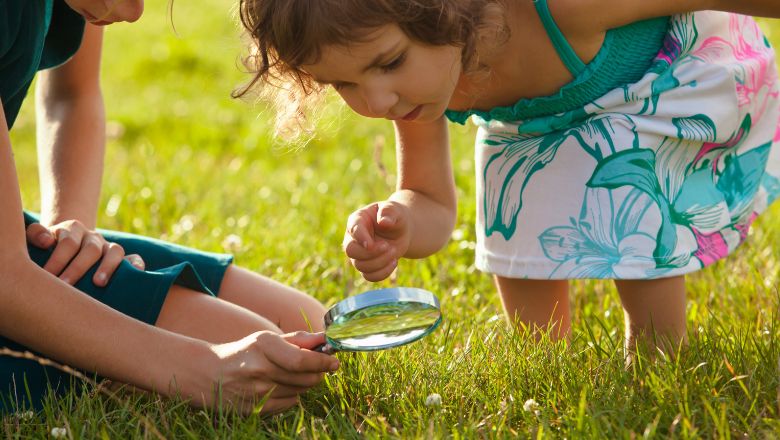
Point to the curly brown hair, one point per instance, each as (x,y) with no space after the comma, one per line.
(286,34)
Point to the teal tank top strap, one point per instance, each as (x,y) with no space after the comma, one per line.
(564,49)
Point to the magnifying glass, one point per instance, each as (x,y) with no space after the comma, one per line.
(380,319)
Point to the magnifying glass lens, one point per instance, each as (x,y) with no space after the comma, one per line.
(382,326)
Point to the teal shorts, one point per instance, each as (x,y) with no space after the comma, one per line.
(136,293)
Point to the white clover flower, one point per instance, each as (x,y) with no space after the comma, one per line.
(433,400)
(531,405)
(59,432)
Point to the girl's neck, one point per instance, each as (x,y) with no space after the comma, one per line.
(523,65)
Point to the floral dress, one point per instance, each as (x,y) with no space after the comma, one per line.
(655,178)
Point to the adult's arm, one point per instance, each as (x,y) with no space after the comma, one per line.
(43,313)
(71,135)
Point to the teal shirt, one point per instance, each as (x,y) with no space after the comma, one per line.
(34,35)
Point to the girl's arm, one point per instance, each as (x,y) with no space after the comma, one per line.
(580,16)
(425,184)
(71,135)
(418,218)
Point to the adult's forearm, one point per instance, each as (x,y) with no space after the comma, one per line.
(431,223)
(71,145)
(53,318)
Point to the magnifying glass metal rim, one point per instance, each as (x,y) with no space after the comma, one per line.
(378,297)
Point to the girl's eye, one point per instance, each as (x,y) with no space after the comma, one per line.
(396,63)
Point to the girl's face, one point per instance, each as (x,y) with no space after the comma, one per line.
(390,76)
(103,12)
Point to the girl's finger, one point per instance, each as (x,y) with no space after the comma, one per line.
(376,263)
(360,226)
(68,245)
(90,253)
(381,274)
(39,236)
(357,251)
(112,257)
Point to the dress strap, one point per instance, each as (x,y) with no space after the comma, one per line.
(564,49)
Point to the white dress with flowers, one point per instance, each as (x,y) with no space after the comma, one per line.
(654,178)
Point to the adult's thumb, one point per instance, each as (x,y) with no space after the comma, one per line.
(39,236)
(305,339)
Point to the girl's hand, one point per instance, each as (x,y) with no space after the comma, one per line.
(77,249)
(267,364)
(376,237)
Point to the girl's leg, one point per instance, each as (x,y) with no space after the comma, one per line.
(654,312)
(205,317)
(247,303)
(288,308)
(542,305)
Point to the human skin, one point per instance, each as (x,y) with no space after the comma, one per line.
(249,342)
(417,219)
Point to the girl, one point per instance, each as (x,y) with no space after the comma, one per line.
(626,140)
(162,329)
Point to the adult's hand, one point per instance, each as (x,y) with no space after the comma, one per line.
(278,367)
(76,249)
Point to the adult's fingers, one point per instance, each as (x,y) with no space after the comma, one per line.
(68,245)
(136,261)
(305,339)
(90,253)
(112,257)
(291,358)
(39,236)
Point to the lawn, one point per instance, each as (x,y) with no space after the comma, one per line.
(189,164)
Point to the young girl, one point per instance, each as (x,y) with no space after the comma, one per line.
(628,140)
(67,293)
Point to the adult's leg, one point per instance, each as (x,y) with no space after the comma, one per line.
(286,307)
(654,312)
(542,305)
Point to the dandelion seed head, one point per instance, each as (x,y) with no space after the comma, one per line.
(531,405)
(232,243)
(433,400)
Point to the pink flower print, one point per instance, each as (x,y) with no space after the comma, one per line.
(745,227)
(711,247)
(752,60)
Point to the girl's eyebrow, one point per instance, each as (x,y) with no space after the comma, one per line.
(377,61)
(381,56)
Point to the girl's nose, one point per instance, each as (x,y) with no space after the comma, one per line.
(379,101)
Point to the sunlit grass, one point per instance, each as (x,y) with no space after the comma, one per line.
(189,164)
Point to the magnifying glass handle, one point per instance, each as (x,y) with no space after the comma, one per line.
(324,348)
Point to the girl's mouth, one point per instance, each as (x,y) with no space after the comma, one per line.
(412,115)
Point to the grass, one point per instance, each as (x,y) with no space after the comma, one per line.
(189,164)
